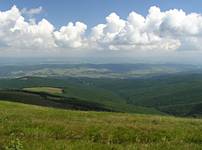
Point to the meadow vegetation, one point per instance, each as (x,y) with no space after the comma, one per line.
(32,127)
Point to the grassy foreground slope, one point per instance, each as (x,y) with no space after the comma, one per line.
(32,127)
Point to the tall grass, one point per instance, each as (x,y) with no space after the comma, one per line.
(32,127)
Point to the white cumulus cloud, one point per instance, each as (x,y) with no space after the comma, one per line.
(170,30)
(32,11)
(71,35)
(135,33)
(15,32)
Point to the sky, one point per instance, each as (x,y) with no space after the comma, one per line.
(148,30)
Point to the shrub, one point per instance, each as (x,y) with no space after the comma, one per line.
(14,144)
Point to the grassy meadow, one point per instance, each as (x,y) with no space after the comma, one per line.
(32,127)
(50,90)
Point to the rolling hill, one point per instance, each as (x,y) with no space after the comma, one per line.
(48,99)
(178,94)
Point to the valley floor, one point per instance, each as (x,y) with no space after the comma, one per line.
(32,127)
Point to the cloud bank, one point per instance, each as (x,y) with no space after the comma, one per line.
(171,30)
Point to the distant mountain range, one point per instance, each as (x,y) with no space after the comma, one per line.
(122,71)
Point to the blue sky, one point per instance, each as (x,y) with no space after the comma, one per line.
(158,29)
(92,12)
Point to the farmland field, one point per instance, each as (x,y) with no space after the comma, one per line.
(50,90)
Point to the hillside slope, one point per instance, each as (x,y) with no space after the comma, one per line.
(174,94)
(178,95)
(41,98)
(33,127)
